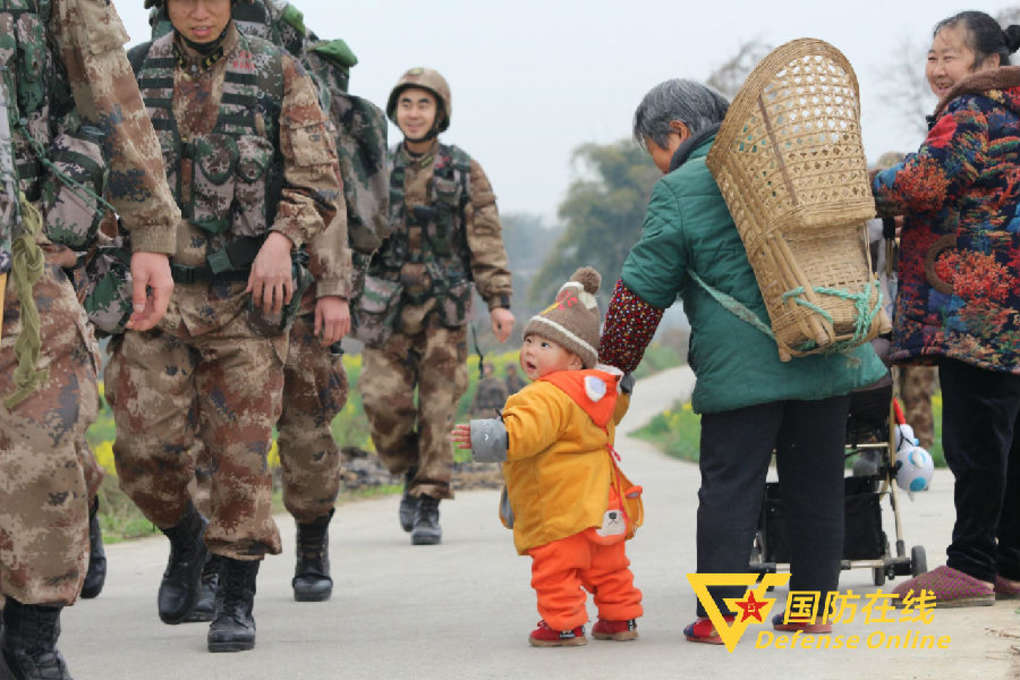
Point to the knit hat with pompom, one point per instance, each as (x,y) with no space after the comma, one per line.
(573,320)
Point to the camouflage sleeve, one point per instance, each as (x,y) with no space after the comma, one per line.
(330,258)
(89,39)
(312,190)
(489,262)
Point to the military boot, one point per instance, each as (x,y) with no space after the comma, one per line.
(178,590)
(408,503)
(233,629)
(96,575)
(205,605)
(29,642)
(311,581)
(426,530)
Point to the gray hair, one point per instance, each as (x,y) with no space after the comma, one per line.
(697,106)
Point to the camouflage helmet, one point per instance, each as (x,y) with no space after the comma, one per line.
(427,79)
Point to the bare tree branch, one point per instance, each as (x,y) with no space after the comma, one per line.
(730,76)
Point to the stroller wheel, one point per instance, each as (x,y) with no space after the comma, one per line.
(918,561)
(878,575)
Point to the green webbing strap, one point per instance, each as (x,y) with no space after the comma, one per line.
(863,318)
(734,306)
(29,261)
(478,351)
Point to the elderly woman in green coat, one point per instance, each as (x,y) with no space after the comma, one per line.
(750,402)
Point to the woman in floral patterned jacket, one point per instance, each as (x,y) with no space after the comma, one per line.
(959,297)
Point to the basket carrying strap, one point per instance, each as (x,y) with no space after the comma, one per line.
(865,314)
(734,306)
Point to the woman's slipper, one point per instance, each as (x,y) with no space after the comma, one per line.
(951,588)
(1005,589)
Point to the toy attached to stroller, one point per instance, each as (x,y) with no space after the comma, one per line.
(885,455)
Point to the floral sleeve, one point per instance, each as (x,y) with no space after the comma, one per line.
(942,168)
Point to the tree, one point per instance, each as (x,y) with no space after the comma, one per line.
(729,77)
(601,215)
(605,207)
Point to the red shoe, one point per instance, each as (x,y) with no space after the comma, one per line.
(544,636)
(703,630)
(615,630)
(794,626)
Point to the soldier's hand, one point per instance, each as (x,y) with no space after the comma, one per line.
(151,285)
(270,283)
(461,435)
(332,318)
(502,323)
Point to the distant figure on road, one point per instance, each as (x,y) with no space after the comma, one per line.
(514,382)
(750,402)
(490,395)
(570,506)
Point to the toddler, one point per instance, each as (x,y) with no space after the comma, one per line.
(569,505)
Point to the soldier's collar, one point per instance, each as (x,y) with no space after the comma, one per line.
(419,159)
(194,61)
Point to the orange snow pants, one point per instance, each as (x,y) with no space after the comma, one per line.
(560,569)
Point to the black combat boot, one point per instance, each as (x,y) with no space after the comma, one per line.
(96,575)
(408,503)
(178,590)
(233,629)
(29,642)
(311,574)
(426,529)
(209,585)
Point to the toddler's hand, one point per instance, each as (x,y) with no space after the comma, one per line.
(461,435)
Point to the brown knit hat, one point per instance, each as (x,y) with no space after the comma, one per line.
(573,320)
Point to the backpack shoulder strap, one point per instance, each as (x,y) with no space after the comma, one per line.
(137,54)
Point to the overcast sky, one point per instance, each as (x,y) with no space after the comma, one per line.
(533,79)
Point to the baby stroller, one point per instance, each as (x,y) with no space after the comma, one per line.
(871,445)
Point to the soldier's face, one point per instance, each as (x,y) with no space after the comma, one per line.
(199,21)
(416,112)
(541,356)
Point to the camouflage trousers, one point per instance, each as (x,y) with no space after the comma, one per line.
(314,392)
(92,469)
(223,387)
(44,529)
(406,433)
(916,386)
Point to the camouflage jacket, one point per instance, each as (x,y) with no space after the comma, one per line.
(60,55)
(359,126)
(247,152)
(445,224)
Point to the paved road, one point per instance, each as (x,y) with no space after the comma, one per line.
(464,609)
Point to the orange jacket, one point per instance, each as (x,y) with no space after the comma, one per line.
(558,469)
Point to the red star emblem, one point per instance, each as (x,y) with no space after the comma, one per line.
(751,607)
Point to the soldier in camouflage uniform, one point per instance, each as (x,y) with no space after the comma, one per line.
(916,385)
(412,314)
(254,169)
(490,395)
(315,384)
(57,55)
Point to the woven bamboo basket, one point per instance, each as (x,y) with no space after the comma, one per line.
(789,162)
